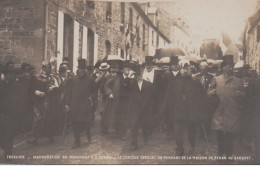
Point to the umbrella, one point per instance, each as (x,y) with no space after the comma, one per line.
(168,52)
(194,58)
(114,58)
(164,60)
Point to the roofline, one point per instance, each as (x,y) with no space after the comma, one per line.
(148,21)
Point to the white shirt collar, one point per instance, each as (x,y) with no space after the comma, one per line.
(148,76)
(175,73)
(140,83)
(124,76)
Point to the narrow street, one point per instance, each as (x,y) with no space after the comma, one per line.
(111,150)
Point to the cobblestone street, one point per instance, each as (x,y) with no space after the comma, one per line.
(111,150)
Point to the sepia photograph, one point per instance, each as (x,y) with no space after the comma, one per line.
(124,82)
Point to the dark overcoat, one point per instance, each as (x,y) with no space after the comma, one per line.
(185,100)
(139,109)
(80,98)
(112,86)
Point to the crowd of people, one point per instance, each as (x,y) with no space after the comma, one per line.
(131,97)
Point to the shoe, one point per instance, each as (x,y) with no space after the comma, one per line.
(133,148)
(34,141)
(179,152)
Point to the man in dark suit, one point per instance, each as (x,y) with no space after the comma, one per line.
(183,106)
(124,88)
(174,72)
(171,76)
(139,110)
(157,79)
(205,78)
(80,102)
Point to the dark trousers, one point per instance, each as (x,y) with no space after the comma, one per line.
(179,128)
(225,143)
(134,136)
(79,127)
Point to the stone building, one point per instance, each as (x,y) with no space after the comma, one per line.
(34,30)
(251,41)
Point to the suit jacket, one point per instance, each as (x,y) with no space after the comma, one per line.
(139,109)
(185,100)
(112,86)
(81,93)
(230,92)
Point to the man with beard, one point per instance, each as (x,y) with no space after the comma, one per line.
(184,104)
(46,100)
(227,117)
(205,78)
(79,102)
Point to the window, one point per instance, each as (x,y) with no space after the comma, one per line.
(68,39)
(152,37)
(137,37)
(122,26)
(109,12)
(108,47)
(258,33)
(122,53)
(143,37)
(91,4)
(90,47)
(130,19)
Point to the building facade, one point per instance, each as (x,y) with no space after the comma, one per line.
(251,41)
(34,30)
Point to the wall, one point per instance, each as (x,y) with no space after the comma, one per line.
(22,31)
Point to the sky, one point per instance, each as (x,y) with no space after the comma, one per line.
(209,18)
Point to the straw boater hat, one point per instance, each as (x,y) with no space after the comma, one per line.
(104,66)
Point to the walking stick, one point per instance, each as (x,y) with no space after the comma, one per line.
(206,136)
(65,127)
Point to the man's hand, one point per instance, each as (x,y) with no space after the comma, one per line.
(39,93)
(67,108)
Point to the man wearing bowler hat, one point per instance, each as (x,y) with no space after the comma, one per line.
(80,102)
(227,117)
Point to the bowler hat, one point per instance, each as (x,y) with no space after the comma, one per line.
(149,60)
(82,64)
(174,60)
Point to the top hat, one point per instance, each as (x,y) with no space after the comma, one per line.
(65,59)
(174,60)
(104,66)
(82,64)
(227,59)
(126,63)
(149,60)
